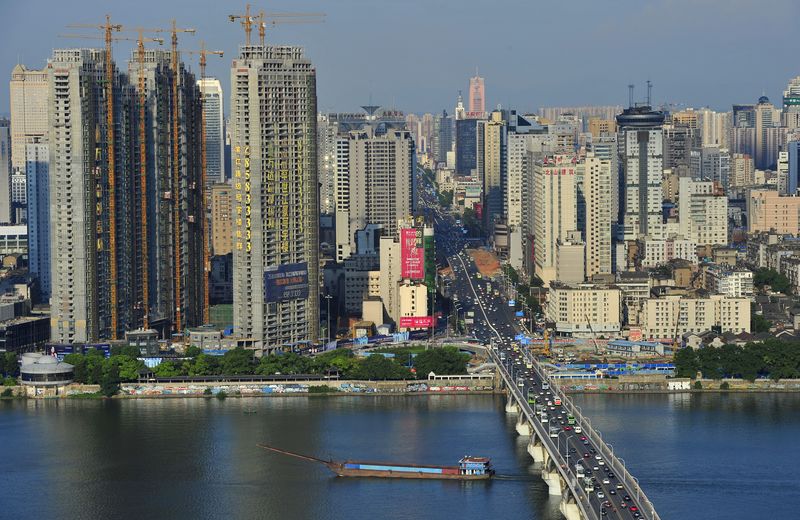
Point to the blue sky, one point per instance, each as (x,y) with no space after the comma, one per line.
(416,54)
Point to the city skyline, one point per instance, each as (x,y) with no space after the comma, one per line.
(461,42)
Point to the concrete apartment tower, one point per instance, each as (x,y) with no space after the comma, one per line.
(599,211)
(555,216)
(109,241)
(28,91)
(91,251)
(641,154)
(276,207)
(211,90)
(381,179)
(174,269)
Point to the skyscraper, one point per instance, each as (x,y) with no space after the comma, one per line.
(90,174)
(494,167)
(767,119)
(597,235)
(555,215)
(170,236)
(477,95)
(380,181)
(121,256)
(5,171)
(641,152)
(37,161)
(791,104)
(28,91)
(211,90)
(276,210)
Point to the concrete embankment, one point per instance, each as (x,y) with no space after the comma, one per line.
(662,384)
(283,388)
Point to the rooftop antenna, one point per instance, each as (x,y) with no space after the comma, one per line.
(630,95)
(649,92)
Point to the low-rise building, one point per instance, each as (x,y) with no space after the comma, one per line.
(584,309)
(730,281)
(673,315)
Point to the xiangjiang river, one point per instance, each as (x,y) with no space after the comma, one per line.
(701,456)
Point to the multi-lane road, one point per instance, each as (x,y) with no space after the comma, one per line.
(606,494)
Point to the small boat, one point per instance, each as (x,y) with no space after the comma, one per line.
(469,468)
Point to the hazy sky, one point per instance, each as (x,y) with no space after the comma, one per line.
(416,54)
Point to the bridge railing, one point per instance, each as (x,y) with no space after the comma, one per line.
(617,465)
(563,465)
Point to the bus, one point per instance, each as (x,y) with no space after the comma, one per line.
(531,396)
(571,420)
(557,401)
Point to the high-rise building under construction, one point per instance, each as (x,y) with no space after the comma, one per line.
(275,213)
(113,243)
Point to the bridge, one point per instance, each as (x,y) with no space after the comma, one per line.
(561,438)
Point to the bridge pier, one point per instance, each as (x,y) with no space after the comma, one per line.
(569,508)
(536,448)
(511,404)
(550,474)
(524,428)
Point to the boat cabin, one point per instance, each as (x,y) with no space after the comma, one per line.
(475,466)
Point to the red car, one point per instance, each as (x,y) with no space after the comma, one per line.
(585,455)
(567,428)
(583,438)
(634,508)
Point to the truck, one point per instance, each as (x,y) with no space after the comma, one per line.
(588,485)
(579,470)
(543,417)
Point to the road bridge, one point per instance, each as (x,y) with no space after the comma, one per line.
(561,438)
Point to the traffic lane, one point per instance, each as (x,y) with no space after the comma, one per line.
(573,441)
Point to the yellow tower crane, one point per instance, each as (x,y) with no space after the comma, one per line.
(203,52)
(176,180)
(143,171)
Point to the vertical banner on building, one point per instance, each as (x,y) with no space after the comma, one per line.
(412,254)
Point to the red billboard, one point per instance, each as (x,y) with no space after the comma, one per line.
(412,254)
(416,322)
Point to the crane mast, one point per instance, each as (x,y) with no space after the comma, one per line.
(203,52)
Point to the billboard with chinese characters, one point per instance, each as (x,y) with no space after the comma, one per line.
(416,322)
(286,282)
(412,254)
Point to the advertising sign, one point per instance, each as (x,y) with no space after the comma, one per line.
(416,322)
(286,282)
(412,254)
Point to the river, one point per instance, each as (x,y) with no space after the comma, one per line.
(701,456)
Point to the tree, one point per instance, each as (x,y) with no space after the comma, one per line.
(377,366)
(778,282)
(125,350)
(128,367)
(698,385)
(203,365)
(78,362)
(168,369)
(441,361)
(237,361)
(193,351)
(9,364)
(686,363)
(759,323)
(109,381)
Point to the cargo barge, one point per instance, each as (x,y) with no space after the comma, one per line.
(469,468)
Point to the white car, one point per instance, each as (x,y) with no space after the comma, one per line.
(601,462)
(606,481)
(601,495)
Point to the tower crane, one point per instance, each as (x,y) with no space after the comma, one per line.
(143,171)
(108,29)
(176,179)
(265,19)
(203,52)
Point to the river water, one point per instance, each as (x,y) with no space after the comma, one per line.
(703,456)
